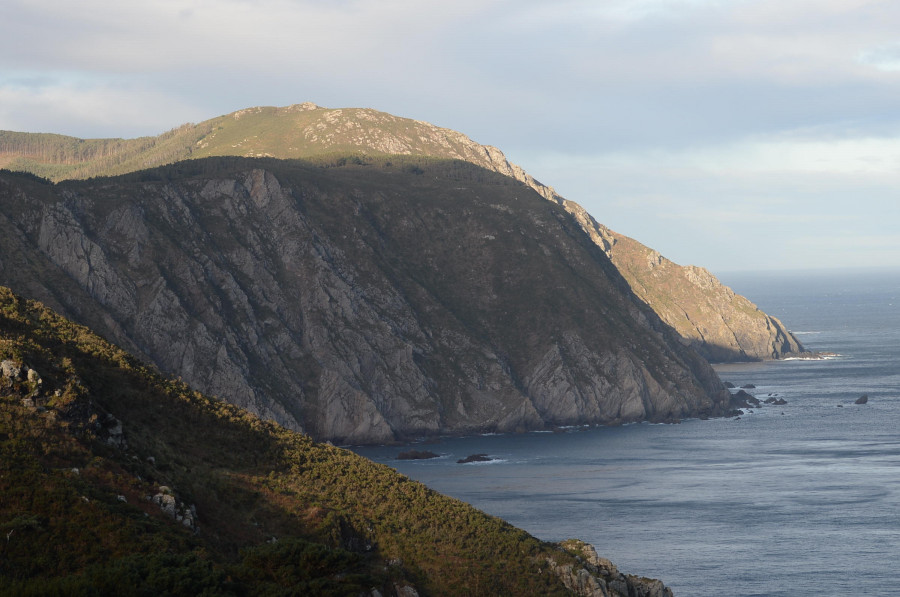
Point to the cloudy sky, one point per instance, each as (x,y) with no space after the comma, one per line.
(734,134)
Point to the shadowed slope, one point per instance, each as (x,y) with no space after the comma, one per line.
(116,481)
(361,303)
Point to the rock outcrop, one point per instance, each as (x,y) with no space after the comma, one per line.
(361,304)
(593,576)
(179,511)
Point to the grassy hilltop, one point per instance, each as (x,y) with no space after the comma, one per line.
(293,132)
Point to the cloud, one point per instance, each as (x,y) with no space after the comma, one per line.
(83,106)
(650,112)
(785,201)
(661,72)
(267,34)
(884,58)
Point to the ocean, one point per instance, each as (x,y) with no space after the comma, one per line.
(794,500)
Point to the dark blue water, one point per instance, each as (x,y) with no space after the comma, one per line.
(801,499)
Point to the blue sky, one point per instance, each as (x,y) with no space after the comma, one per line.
(732,134)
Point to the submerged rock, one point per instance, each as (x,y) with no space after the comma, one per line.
(475,458)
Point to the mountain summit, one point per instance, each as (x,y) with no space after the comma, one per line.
(721,325)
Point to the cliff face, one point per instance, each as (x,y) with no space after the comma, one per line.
(723,326)
(361,303)
(720,324)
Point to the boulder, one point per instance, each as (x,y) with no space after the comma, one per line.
(862,399)
(181,512)
(34,377)
(405,591)
(113,432)
(743,399)
(10,369)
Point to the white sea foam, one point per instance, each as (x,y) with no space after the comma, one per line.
(493,461)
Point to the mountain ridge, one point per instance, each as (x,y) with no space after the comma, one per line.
(721,327)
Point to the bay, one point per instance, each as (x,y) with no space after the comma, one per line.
(801,499)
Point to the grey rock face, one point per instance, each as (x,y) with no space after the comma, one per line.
(720,324)
(359,305)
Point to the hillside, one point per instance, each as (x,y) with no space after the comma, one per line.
(362,302)
(115,481)
(720,325)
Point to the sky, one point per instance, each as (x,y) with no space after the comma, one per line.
(732,134)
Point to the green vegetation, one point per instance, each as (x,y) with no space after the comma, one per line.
(276,514)
(292,132)
(57,157)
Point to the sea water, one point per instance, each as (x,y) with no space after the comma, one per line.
(794,500)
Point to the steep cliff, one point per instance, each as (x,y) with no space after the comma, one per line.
(361,303)
(115,481)
(720,324)
(709,316)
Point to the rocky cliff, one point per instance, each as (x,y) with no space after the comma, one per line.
(719,323)
(359,302)
(723,326)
